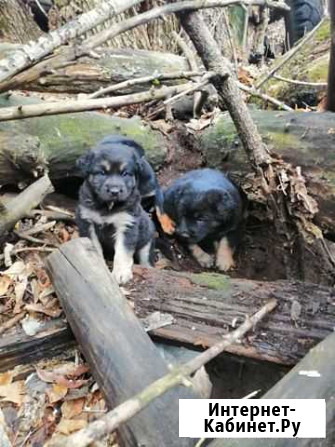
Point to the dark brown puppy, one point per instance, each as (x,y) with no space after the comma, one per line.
(109,211)
(206,209)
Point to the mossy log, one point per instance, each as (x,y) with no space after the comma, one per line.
(310,64)
(303,139)
(297,384)
(88,74)
(30,145)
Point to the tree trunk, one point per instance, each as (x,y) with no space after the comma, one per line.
(88,74)
(300,386)
(121,356)
(16,22)
(331,72)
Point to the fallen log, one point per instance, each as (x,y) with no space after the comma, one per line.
(122,358)
(297,384)
(87,74)
(30,145)
(22,204)
(204,306)
(303,139)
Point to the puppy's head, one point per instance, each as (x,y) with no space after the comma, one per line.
(198,215)
(112,171)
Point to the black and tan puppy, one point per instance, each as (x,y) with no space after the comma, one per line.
(206,209)
(117,176)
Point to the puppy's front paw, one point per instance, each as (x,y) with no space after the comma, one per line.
(225,264)
(204,259)
(167,224)
(224,256)
(122,274)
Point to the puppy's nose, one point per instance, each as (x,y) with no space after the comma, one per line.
(114,190)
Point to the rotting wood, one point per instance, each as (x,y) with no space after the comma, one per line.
(32,53)
(204,306)
(298,384)
(89,73)
(102,320)
(179,375)
(27,200)
(302,139)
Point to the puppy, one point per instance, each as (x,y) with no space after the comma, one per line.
(206,210)
(117,175)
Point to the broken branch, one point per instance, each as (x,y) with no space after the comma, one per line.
(289,55)
(27,200)
(144,80)
(55,108)
(29,54)
(171,8)
(253,92)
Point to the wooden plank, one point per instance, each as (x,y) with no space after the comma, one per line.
(121,356)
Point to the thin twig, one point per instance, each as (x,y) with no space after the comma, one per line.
(12,322)
(205,80)
(231,40)
(179,375)
(35,240)
(320,85)
(199,98)
(171,8)
(253,92)
(144,80)
(39,228)
(288,56)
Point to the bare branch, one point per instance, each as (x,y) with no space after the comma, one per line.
(288,56)
(155,13)
(253,92)
(54,108)
(318,85)
(144,80)
(179,375)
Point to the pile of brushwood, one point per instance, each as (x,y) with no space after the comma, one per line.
(85,362)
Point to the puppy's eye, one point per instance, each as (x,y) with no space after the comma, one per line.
(125,173)
(102,172)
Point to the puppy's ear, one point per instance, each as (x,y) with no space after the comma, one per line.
(84,163)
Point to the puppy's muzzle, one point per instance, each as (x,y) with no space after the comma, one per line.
(114,191)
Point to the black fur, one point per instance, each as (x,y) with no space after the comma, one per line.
(117,175)
(205,207)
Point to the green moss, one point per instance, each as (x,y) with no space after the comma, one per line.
(282,140)
(214,281)
(317,71)
(323,32)
(76,132)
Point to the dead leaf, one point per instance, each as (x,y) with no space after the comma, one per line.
(57,376)
(13,392)
(19,288)
(56,392)
(5,282)
(40,308)
(72,408)
(67,426)
(6,378)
